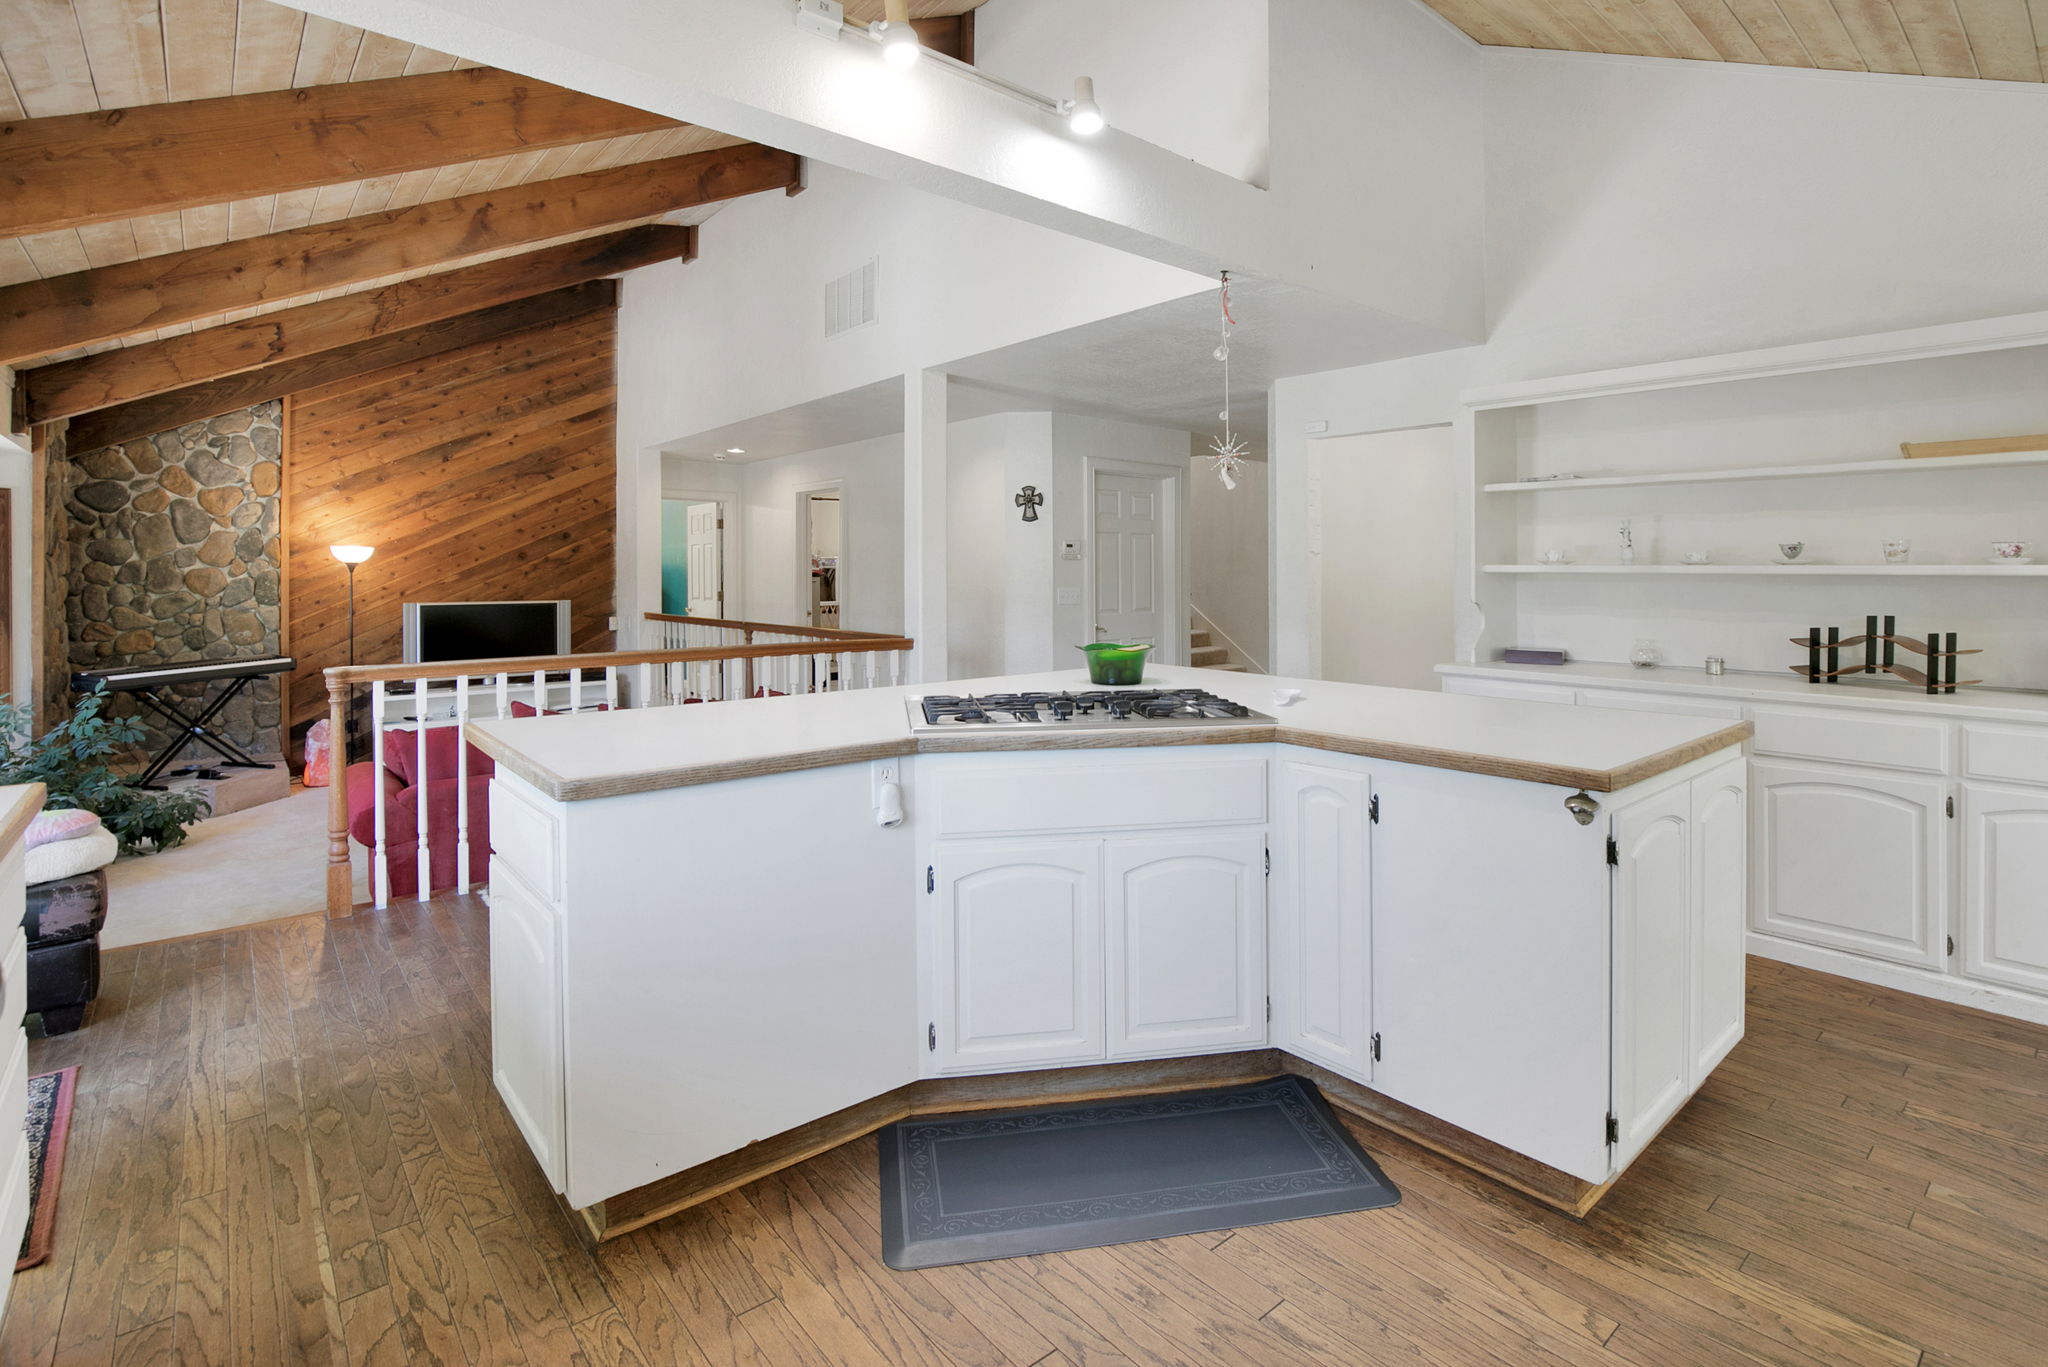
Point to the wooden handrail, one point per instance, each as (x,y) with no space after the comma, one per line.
(347,675)
(826,633)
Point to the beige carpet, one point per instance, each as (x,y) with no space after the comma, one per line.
(234,870)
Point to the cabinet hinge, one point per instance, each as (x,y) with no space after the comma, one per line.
(1375,1046)
(1613,1129)
(1613,851)
(1269,863)
(931,1037)
(1372,809)
(1951,807)
(931,879)
(1269,1008)
(1951,944)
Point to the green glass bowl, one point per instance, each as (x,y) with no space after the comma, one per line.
(1115,666)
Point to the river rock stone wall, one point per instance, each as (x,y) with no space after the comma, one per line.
(173,556)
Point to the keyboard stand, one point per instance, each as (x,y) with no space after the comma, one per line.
(191,728)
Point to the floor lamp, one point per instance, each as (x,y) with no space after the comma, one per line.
(350,557)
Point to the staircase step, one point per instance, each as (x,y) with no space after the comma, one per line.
(1198,639)
(1208,657)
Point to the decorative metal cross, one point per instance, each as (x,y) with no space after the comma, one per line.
(1030,500)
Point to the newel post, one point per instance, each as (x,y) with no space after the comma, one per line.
(340,880)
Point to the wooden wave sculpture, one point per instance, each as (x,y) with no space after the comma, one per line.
(1880,649)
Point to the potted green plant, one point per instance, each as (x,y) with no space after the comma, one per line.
(70,760)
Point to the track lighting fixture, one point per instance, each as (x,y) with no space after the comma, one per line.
(899,39)
(1084,116)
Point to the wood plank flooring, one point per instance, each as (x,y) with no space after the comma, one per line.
(287,1149)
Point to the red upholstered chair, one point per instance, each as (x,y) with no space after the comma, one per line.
(403,791)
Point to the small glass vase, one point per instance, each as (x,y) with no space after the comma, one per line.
(1645,655)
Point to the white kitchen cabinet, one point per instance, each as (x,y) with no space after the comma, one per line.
(1186,968)
(1019,953)
(1720,976)
(1851,860)
(1320,905)
(2005,885)
(1491,962)
(1654,953)
(1511,689)
(526,1020)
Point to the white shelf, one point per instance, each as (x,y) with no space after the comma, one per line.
(1792,571)
(1996,460)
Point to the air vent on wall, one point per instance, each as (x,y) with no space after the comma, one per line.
(850,300)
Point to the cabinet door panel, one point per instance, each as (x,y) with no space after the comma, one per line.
(1850,860)
(526,1020)
(1020,953)
(1653,965)
(2005,885)
(1491,985)
(1186,943)
(1321,916)
(1720,829)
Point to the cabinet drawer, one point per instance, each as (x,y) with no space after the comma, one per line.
(1801,733)
(1509,688)
(525,837)
(1087,791)
(1659,702)
(2005,753)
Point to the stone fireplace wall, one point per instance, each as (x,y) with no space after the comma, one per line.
(173,555)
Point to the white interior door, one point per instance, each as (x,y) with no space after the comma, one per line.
(706,564)
(1130,558)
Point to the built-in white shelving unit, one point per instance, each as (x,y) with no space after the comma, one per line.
(1929,465)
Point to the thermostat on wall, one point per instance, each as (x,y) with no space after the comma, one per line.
(1070,550)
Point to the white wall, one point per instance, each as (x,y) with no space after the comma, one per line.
(1642,210)
(1388,557)
(1227,550)
(1187,75)
(979,586)
(871,568)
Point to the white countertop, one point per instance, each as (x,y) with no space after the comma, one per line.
(1965,704)
(601,754)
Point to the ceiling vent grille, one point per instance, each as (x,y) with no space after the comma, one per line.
(850,300)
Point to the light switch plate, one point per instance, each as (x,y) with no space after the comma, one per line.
(1067,598)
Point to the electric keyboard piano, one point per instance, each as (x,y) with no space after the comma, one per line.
(147,683)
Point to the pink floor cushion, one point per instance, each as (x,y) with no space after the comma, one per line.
(64,824)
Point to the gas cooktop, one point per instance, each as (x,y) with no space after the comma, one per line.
(1091,710)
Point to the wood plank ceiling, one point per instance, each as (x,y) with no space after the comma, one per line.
(61,57)
(1997,40)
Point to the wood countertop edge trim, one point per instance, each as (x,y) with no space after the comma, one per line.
(1400,752)
(20,811)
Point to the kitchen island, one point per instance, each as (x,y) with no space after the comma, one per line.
(1511,931)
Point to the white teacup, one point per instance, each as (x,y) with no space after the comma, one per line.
(1791,550)
(2008,550)
(1286,697)
(1697,558)
(1552,556)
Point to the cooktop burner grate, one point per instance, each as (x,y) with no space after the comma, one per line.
(1095,708)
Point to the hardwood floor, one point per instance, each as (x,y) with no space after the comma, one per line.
(286,1149)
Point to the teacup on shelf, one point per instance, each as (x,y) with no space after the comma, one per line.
(1897,551)
(1551,557)
(1791,550)
(2013,551)
(1698,558)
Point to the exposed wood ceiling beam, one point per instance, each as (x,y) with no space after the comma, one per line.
(952,34)
(69,388)
(119,163)
(38,317)
(194,403)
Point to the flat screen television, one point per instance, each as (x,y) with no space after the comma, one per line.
(485,631)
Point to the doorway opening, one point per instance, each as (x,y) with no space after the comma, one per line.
(1389,549)
(824,530)
(692,557)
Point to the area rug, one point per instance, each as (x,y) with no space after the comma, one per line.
(1006,1184)
(47,1124)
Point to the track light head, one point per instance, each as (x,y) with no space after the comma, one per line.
(1084,116)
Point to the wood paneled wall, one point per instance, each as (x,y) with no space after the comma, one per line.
(481,473)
